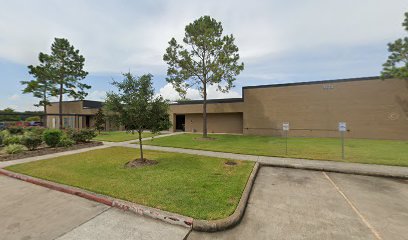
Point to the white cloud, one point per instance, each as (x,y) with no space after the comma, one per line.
(168,92)
(21,103)
(115,36)
(14,97)
(97,95)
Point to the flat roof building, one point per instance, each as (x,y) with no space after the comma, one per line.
(372,108)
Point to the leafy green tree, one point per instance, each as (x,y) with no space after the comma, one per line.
(7,115)
(100,120)
(136,108)
(42,86)
(397,62)
(183,100)
(33,119)
(66,71)
(206,58)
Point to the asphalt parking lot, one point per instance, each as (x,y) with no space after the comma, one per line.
(301,204)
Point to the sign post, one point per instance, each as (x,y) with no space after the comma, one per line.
(285,127)
(342,130)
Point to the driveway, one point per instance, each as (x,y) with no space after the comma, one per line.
(300,204)
(28,211)
(285,204)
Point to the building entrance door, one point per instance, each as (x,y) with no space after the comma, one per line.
(180,122)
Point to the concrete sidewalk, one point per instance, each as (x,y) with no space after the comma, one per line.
(167,134)
(331,166)
(53,155)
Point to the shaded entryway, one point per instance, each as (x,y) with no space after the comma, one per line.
(180,122)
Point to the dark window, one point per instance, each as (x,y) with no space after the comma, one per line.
(87,121)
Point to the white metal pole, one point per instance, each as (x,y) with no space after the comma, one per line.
(286,139)
(342,145)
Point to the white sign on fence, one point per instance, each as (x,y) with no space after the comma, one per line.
(285,126)
(342,127)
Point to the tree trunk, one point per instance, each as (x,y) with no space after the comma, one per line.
(205,111)
(45,117)
(60,106)
(141,145)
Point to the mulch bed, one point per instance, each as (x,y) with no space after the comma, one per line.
(138,163)
(47,150)
(230,163)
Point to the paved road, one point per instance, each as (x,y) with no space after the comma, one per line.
(28,211)
(300,204)
(285,204)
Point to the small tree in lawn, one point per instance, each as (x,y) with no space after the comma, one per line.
(207,58)
(100,121)
(397,62)
(136,108)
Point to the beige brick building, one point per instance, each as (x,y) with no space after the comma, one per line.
(76,114)
(372,108)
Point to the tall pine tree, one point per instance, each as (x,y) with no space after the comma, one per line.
(67,72)
(206,58)
(397,62)
(42,86)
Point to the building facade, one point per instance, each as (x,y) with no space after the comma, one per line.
(372,108)
(76,114)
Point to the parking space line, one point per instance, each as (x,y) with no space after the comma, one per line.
(365,221)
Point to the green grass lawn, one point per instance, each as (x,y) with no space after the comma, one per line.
(119,136)
(195,186)
(386,152)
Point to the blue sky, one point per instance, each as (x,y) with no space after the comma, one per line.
(279,41)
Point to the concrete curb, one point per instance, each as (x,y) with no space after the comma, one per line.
(337,170)
(235,218)
(158,214)
(172,218)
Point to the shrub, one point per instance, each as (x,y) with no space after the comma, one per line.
(3,135)
(83,135)
(66,141)
(12,139)
(16,130)
(36,130)
(14,148)
(69,132)
(31,141)
(52,137)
